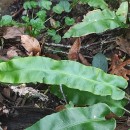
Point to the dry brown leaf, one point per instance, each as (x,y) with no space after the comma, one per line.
(118,67)
(74,50)
(13,32)
(83,60)
(31,45)
(124,44)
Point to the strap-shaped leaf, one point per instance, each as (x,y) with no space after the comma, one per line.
(95,21)
(69,73)
(123,11)
(91,118)
(82,98)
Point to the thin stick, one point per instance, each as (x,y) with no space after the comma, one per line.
(126,110)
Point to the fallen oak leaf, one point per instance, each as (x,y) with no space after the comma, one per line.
(31,45)
(74,50)
(118,67)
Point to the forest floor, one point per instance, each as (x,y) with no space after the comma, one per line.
(18,110)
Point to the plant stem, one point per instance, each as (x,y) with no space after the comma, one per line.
(63,93)
(127,96)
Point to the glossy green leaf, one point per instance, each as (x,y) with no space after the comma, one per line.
(95,21)
(69,73)
(82,98)
(100,61)
(96,3)
(86,118)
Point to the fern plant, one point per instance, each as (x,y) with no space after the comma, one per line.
(81,84)
(98,21)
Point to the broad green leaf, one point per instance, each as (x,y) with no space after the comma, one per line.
(45,4)
(6,20)
(96,3)
(95,21)
(42,14)
(51,32)
(25,18)
(30,4)
(86,118)
(69,73)
(33,4)
(37,23)
(82,98)
(123,11)
(58,9)
(100,61)
(56,38)
(69,21)
(27,5)
(65,5)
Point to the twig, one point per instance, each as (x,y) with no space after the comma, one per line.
(57,45)
(82,47)
(18,12)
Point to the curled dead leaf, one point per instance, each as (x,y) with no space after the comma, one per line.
(74,50)
(83,60)
(31,45)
